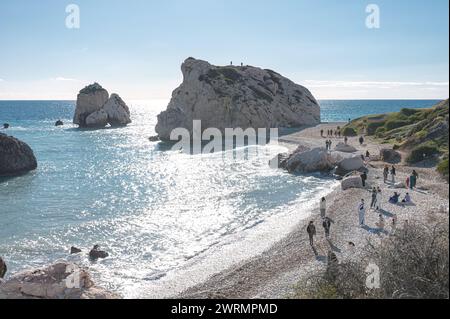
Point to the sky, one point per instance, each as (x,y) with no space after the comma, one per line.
(135,47)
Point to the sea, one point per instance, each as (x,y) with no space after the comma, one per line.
(168,219)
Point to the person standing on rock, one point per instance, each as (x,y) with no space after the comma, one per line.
(362,213)
(311,230)
(326,226)
(393,173)
(323,207)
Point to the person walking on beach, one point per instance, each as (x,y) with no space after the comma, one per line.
(385,173)
(323,207)
(373,203)
(364,179)
(362,213)
(330,143)
(361,140)
(311,229)
(393,173)
(326,226)
(346,140)
(379,199)
(413,179)
(321,133)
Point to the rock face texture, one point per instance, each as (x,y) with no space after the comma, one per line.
(16,157)
(315,160)
(95,108)
(342,147)
(61,280)
(390,156)
(3,268)
(351,182)
(231,97)
(348,165)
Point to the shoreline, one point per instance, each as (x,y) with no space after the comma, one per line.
(274,273)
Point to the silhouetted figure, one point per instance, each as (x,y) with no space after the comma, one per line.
(311,230)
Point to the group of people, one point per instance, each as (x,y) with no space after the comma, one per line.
(326,223)
(411,181)
(387,171)
(331,133)
(328,144)
(395,199)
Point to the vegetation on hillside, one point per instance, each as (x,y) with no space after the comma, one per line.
(413,263)
(423,133)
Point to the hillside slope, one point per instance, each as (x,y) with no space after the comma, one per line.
(422,133)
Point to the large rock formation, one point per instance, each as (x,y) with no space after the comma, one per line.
(61,280)
(3,268)
(16,157)
(95,108)
(231,97)
(350,164)
(315,160)
(390,156)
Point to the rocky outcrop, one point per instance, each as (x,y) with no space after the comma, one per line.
(62,280)
(59,123)
(342,147)
(74,250)
(390,156)
(3,268)
(315,160)
(351,182)
(350,164)
(96,253)
(16,157)
(231,97)
(95,108)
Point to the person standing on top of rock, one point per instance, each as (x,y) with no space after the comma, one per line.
(362,213)
(311,230)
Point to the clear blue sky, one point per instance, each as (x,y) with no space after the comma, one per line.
(135,47)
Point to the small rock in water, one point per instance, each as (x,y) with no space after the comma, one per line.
(96,253)
(5,125)
(74,250)
(154,138)
(59,123)
(3,268)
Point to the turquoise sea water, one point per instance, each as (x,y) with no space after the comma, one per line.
(152,208)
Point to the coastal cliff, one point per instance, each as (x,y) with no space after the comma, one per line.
(230,96)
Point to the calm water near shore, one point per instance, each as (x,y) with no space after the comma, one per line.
(153,209)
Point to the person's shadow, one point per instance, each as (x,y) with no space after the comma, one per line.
(333,247)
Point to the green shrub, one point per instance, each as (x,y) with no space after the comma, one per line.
(422,151)
(380,131)
(443,167)
(396,147)
(349,131)
(409,112)
(393,124)
(373,126)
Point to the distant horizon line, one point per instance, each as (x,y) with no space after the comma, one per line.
(168,99)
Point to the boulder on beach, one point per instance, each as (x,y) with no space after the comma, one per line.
(3,268)
(59,123)
(353,181)
(236,97)
(62,280)
(16,157)
(5,125)
(315,160)
(390,156)
(342,147)
(350,164)
(96,253)
(95,108)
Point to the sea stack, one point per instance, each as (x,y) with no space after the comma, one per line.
(16,157)
(236,96)
(95,108)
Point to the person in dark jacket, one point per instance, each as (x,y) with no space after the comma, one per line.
(326,226)
(364,179)
(311,229)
